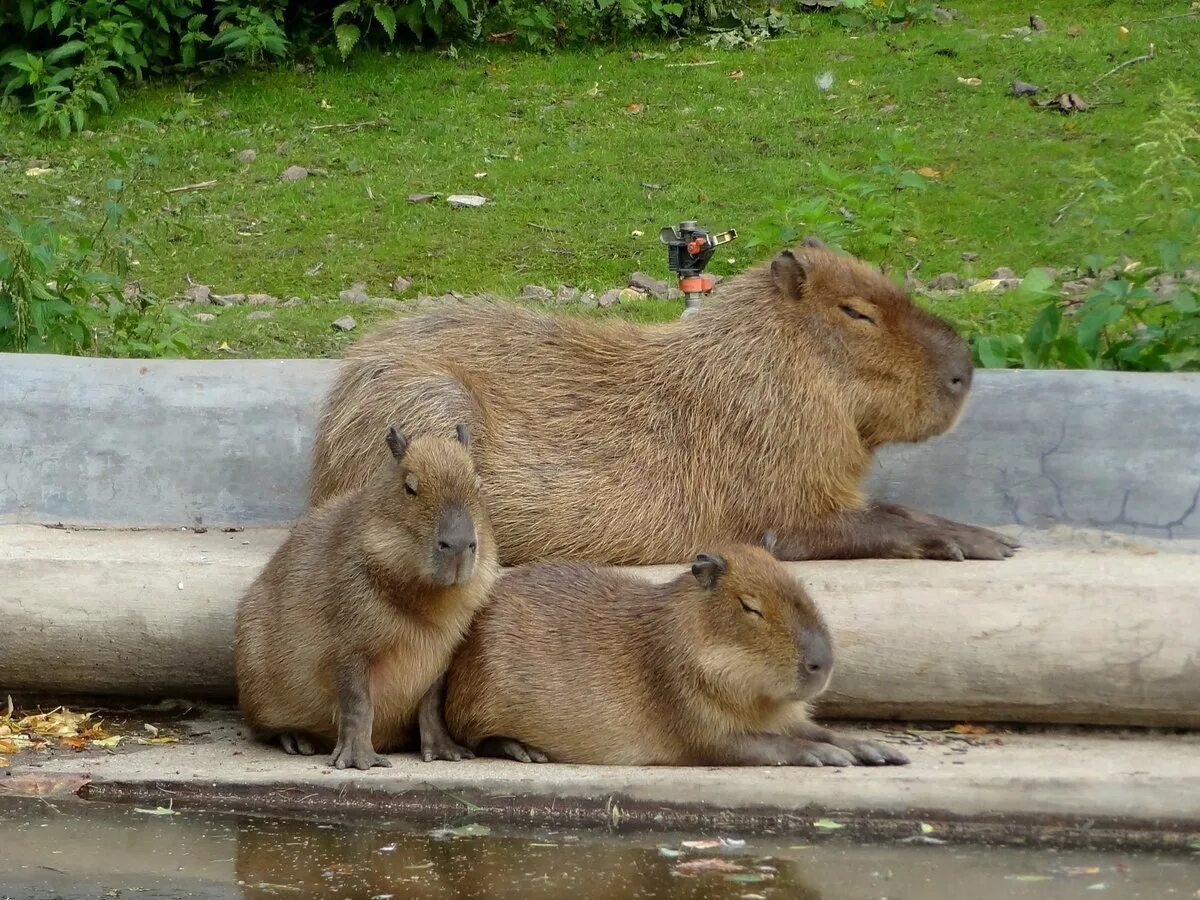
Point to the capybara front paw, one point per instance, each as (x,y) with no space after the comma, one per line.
(296,744)
(444,748)
(357,756)
(868,753)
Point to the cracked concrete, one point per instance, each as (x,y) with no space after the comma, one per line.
(226,443)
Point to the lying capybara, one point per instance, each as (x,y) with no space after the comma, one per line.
(617,443)
(579,664)
(343,639)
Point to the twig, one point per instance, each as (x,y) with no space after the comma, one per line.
(355,125)
(1128,62)
(198,186)
(1063,209)
(711,62)
(1186,15)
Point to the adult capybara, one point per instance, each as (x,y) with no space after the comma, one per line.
(618,443)
(582,664)
(343,639)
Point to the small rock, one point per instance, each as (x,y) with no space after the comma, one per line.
(131,291)
(970,257)
(675,293)
(198,293)
(282,148)
(227,299)
(655,287)
(261,300)
(291,301)
(1076,287)
(294,173)
(1010,284)
(260,314)
(247,156)
(942,15)
(400,284)
(589,300)
(203,317)
(87,133)
(567,293)
(345,323)
(1037,23)
(1019,31)
(389,303)
(1162,285)
(913,285)
(947,281)
(356,293)
(631,295)
(1024,89)
(422,198)
(537,292)
(609,298)
(1002,273)
(461,201)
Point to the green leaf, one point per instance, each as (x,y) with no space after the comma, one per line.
(386,16)
(1184,359)
(828,824)
(1043,332)
(461,8)
(114,184)
(1071,354)
(1089,328)
(347,37)
(69,49)
(913,180)
(992,352)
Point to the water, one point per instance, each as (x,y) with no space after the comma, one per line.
(88,850)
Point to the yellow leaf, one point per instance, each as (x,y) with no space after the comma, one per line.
(828,824)
(3,761)
(926,828)
(982,287)
(969,729)
(973,82)
(7,746)
(929,172)
(737,74)
(109,741)
(165,739)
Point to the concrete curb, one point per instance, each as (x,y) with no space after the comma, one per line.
(227,443)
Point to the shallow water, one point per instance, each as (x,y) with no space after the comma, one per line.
(88,850)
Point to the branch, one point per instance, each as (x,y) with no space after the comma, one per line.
(1129,62)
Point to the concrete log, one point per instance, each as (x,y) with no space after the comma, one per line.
(1100,633)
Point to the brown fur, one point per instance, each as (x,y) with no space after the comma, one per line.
(355,585)
(612,442)
(592,665)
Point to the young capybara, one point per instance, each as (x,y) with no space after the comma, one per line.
(578,664)
(616,443)
(343,639)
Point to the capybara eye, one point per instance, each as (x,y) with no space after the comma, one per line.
(750,609)
(410,485)
(855,314)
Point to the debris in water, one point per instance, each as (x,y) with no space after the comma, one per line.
(157,811)
(712,864)
(828,824)
(461,831)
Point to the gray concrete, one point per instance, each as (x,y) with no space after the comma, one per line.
(1002,783)
(1095,629)
(168,443)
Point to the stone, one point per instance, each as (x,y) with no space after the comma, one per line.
(631,295)
(461,201)
(968,256)
(422,198)
(227,299)
(203,317)
(537,292)
(609,298)
(567,293)
(947,281)
(1024,89)
(198,293)
(674,294)
(589,300)
(294,173)
(356,293)
(1037,23)
(1002,273)
(400,284)
(247,156)
(345,323)
(655,287)
(260,314)
(261,300)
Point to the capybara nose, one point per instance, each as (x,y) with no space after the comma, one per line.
(456,535)
(959,382)
(817,652)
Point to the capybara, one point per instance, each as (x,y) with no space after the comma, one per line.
(574,663)
(344,638)
(617,443)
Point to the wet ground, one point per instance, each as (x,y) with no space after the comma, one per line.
(74,849)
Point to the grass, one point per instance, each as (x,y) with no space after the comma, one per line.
(575,173)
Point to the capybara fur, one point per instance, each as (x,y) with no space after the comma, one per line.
(354,620)
(581,664)
(617,443)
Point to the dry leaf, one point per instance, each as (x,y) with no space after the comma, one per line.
(108,742)
(1122,32)
(853,82)
(37,171)
(707,844)
(42,785)
(988,284)
(634,108)
(929,172)
(737,74)
(8,746)
(165,739)
(157,811)
(1075,31)
(3,761)
(969,729)
(973,82)
(709,864)
(502,37)
(77,744)
(1067,102)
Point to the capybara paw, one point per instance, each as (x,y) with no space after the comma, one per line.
(296,744)
(509,748)
(444,749)
(868,753)
(827,754)
(355,756)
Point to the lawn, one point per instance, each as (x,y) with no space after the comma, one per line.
(588,154)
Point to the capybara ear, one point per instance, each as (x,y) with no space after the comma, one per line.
(815,242)
(396,442)
(464,434)
(789,274)
(769,541)
(709,567)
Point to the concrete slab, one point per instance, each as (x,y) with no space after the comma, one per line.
(1096,629)
(1065,786)
(226,442)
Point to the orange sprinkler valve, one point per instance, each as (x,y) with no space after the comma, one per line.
(688,251)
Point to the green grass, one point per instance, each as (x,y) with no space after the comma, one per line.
(573,174)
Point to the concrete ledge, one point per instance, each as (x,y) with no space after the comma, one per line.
(1069,788)
(169,443)
(1099,630)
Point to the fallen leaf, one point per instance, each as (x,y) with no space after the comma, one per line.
(926,828)
(1075,31)
(983,287)
(461,831)
(1037,23)
(37,171)
(973,82)
(1122,33)
(1026,877)
(707,844)
(77,744)
(737,74)
(707,865)
(828,824)
(853,82)
(42,785)
(1067,102)
(481,174)
(8,746)
(1076,871)
(420,198)
(636,233)
(929,172)
(1024,89)
(634,108)
(502,37)
(749,877)
(164,739)
(965,728)
(157,811)
(668,852)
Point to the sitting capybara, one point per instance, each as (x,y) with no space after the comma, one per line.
(344,638)
(578,664)
(625,444)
